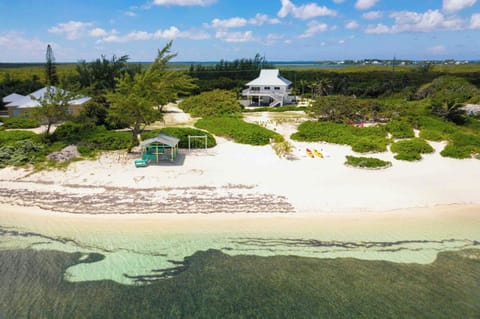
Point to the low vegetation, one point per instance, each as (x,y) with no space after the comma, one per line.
(21,152)
(211,103)
(238,130)
(7,137)
(462,146)
(19,123)
(366,162)
(411,150)
(182,133)
(361,139)
(400,129)
(91,139)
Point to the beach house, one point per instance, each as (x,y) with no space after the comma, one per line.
(20,105)
(269,89)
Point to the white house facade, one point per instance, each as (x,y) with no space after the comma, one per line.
(20,105)
(270,89)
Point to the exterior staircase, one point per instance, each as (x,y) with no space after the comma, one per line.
(277,99)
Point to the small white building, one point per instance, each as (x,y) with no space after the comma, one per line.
(20,105)
(270,89)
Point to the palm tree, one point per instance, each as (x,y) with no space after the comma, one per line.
(323,87)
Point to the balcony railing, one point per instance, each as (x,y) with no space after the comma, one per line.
(265,92)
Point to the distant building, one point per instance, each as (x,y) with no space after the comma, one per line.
(269,89)
(20,105)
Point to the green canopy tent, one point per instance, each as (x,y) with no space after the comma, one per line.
(160,147)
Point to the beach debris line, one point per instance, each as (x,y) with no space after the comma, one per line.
(123,200)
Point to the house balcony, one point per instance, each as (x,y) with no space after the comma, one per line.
(250,92)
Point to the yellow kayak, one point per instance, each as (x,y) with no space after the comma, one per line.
(317,153)
(309,153)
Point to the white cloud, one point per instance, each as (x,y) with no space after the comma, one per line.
(377,29)
(475,21)
(71,29)
(274,36)
(166,34)
(22,49)
(365,4)
(372,15)
(407,21)
(98,32)
(229,23)
(305,11)
(341,42)
(261,19)
(438,50)
(314,27)
(130,14)
(183,3)
(457,5)
(238,22)
(246,36)
(351,25)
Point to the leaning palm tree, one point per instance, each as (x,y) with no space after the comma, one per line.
(323,87)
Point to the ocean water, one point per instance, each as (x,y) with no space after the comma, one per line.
(141,246)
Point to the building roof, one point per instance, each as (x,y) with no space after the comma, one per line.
(30,101)
(161,138)
(12,98)
(269,77)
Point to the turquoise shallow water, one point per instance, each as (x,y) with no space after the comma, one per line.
(139,246)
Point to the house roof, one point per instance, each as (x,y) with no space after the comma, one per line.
(29,102)
(161,138)
(12,98)
(269,77)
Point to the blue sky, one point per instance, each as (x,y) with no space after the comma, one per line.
(210,30)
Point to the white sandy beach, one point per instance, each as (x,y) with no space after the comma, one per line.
(235,178)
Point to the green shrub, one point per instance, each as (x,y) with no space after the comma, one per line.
(432,135)
(366,162)
(400,129)
(182,133)
(211,103)
(13,136)
(459,152)
(72,133)
(104,140)
(21,153)
(89,137)
(362,139)
(239,130)
(19,122)
(462,145)
(435,124)
(411,150)
(464,139)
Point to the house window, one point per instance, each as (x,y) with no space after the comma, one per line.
(267,88)
(255,88)
(277,88)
